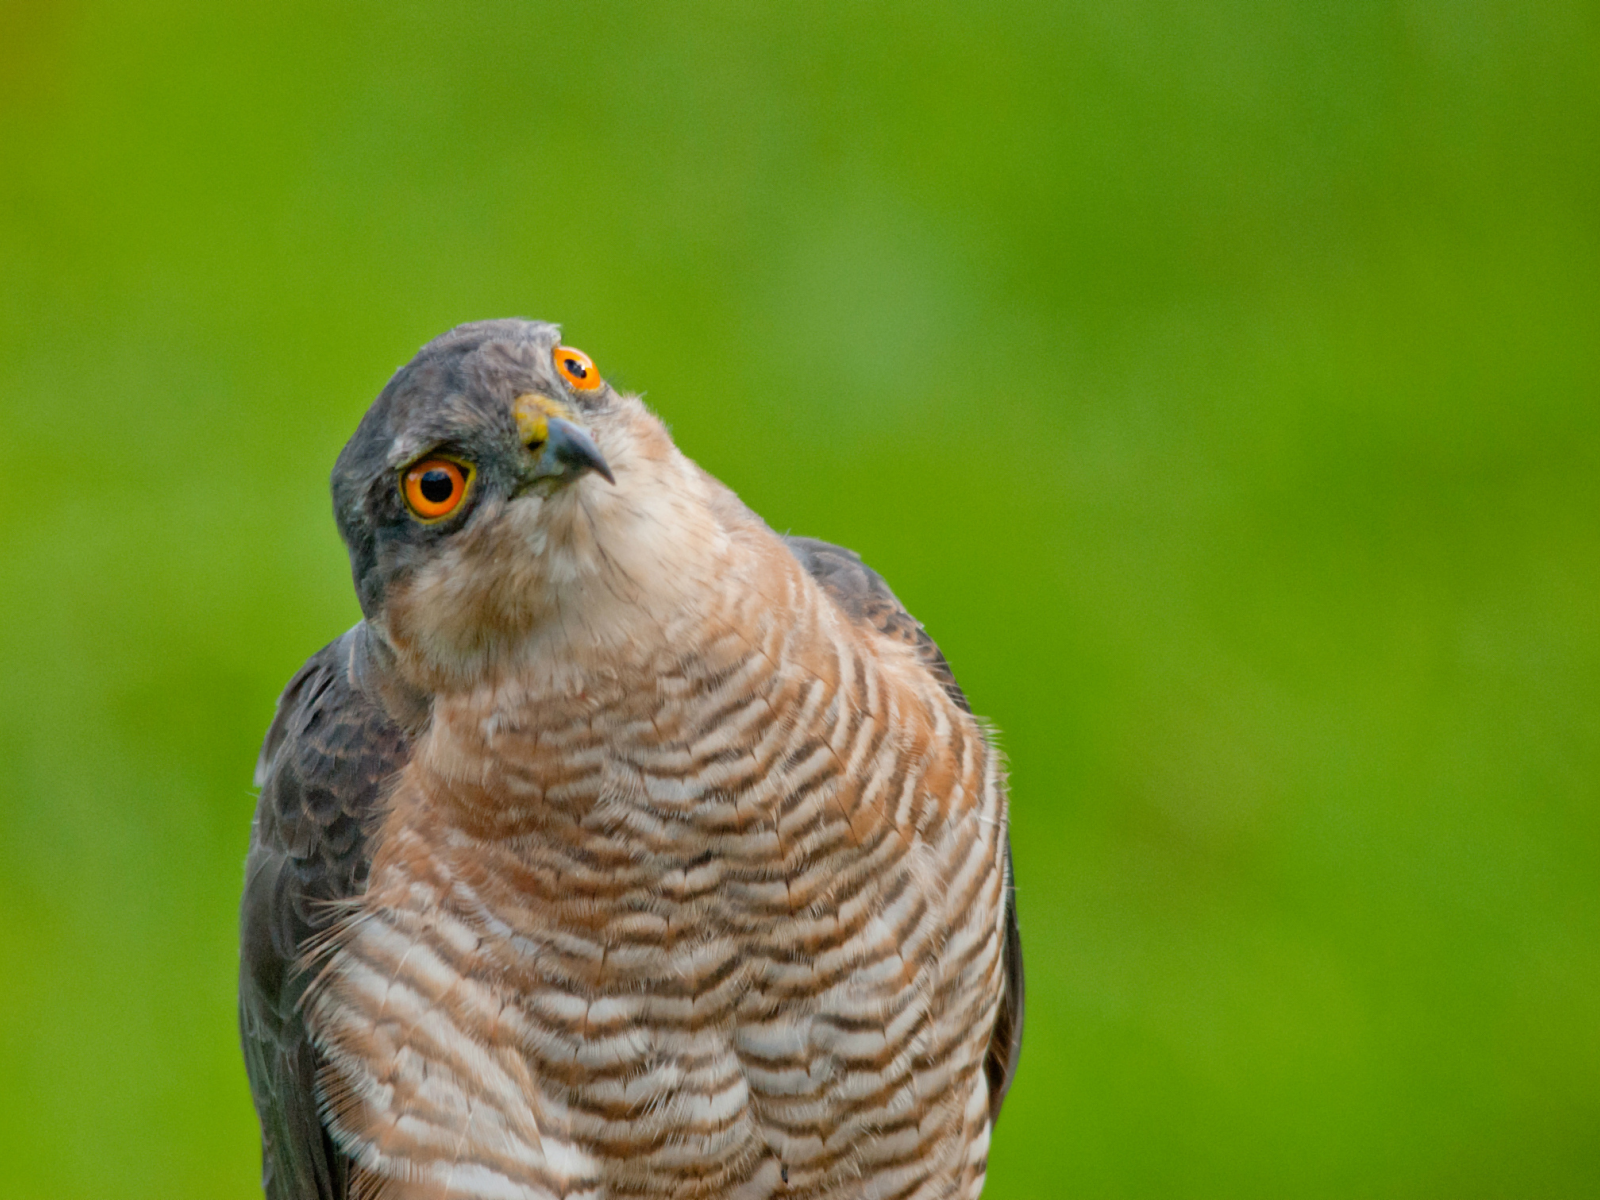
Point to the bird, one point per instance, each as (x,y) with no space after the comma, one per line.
(625,847)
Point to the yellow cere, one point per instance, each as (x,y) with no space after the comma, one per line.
(533,413)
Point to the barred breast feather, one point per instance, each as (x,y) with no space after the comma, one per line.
(729,916)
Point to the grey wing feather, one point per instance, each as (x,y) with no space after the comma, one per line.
(865,597)
(326,761)
(862,593)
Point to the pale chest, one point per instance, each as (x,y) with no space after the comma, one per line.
(686,939)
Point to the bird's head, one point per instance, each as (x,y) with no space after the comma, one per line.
(499,490)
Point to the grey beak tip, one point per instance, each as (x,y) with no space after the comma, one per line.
(570,451)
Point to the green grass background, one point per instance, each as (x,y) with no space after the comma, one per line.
(1219,381)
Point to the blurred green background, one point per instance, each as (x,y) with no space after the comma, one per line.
(1219,381)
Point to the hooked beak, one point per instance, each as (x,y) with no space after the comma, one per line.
(566,453)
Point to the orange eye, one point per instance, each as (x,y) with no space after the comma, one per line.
(435,486)
(577,368)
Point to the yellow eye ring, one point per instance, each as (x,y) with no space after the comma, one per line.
(435,487)
(577,368)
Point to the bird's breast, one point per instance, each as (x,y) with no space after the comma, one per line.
(703,927)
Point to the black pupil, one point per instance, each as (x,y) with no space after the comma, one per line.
(576,367)
(437,485)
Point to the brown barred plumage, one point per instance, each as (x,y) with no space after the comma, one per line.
(690,879)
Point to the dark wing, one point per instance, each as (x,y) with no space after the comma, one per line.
(861,592)
(323,768)
(1005,1043)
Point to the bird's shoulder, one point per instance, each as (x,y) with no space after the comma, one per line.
(864,596)
(325,763)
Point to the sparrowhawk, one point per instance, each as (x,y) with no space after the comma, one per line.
(625,848)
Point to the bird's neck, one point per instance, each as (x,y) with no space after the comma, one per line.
(550,741)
